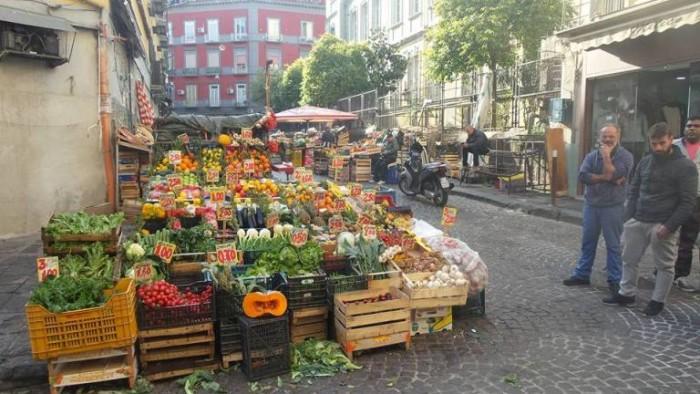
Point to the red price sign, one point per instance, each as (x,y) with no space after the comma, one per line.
(369,197)
(174,156)
(299,173)
(307,177)
(224,213)
(299,237)
(231,178)
(319,197)
(369,231)
(339,205)
(248,166)
(355,189)
(449,216)
(184,138)
(165,251)
(272,220)
(337,163)
(143,272)
(407,243)
(335,224)
(247,133)
(363,220)
(212,175)
(167,201)
(226,253)
(46,267)
(174,182)
(217,194)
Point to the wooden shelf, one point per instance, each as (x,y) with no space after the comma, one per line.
(142,148)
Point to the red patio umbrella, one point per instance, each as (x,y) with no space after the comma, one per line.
(307,114)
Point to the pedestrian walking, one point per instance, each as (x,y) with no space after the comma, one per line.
(604,172)
(661,197)
(689,145)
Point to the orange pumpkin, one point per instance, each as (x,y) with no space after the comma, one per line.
(257,304)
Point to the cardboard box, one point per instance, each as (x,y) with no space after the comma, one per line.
(429,325)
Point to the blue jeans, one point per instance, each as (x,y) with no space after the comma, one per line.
(610,221)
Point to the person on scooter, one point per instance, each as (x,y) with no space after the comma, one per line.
(389,152)
(415,154)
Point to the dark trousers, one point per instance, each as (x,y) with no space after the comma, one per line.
(380,168)
(474,152)
(688,235)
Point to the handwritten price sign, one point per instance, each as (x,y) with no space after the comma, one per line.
(174,156)
(408,243)
(224,213)
(212,175)
(299,237)
(184,138)
(143,272)
(248,166)
(339,205)
(363,220)
(335,224)
(369,231)
(247,133)
(356,189)
(167,201)
(226,253)
(369,197)
(174,182)
(307,177)
(449,216)
(217,194)
(231,178)
(46,267)
(164,251)
(272,220)
(337,163)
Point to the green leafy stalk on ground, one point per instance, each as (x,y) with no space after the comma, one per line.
(314,358)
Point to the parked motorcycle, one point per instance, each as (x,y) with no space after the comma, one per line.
(429,180)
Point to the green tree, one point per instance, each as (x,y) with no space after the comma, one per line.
(385,65)
(257,89)
(291,85)
(476,33)
(333,69)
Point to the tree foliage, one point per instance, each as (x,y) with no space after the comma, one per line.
(334,69)
(285,87)
(385,65)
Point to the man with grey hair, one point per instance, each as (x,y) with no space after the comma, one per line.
(604,172)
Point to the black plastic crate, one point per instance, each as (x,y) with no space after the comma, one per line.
(347,280)
(305,299)
(476,305)
(302,291)
(229,306)
(265,347)
(180,315)
(228,337)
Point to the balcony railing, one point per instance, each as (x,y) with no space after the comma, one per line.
(189,71)
(213,70)
(586,11)
(540,76)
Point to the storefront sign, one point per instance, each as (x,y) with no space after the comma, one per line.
(224,213)
(174,157)
(217,194)
(167,201)
(174,182)
(355,190)
(165,251)
(335,224)
(247,133)
(449,216)
(299,237)
(212,175)
(249,166)
(226,253)
(272,220)
(143,272)
(369,197)
(184,138)
(369,231)
(46,267)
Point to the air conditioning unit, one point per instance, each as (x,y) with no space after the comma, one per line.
(27,40)
(180,92)
(230,90)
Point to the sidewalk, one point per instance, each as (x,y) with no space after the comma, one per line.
(568,209)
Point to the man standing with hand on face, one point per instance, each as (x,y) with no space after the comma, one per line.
(604,172)
(661,197)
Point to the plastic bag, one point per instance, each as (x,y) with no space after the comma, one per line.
(460,254)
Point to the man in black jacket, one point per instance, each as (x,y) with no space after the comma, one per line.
(477,144)
(661,198)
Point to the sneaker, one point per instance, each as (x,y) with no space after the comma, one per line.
(654,308)
(576,281)
(618,299)
(687,285)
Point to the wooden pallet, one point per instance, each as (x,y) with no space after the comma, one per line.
(227,359)
(371,325)
(309,323)
(93,367)
(194,342)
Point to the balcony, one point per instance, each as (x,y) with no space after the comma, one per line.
(240,69)
(240,37)
(273,38)
(212,70)
(241,104)
(190,72)
(306,39)
(540,77)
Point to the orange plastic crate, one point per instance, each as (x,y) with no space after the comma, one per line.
(111,325)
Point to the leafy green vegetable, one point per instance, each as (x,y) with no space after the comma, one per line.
(313,358)
(366,254)
(200,379)
(198,239)
(83,223)
(289,259)
(96,264)
(64,293)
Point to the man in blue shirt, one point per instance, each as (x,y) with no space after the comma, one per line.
(604,172)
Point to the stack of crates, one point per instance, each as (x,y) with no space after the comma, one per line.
(302,291)
(266,351)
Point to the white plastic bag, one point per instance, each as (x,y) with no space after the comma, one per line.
(460,254)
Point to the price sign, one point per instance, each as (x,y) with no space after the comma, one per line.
(299,237)
(339,205)
(363,220)
(174,156)
(337,163)
(307,177)
(335,224)
(226,253)
(247,133)
(272,220)
(356,189)
(212,175)
(167,201)
(299,173)
(184,138)
(369,231)
(319,197)
(248,166)
(449,216)
(46,267)
(165,251)
(174,182)
(408,243)
(224,213)
(143,272)
(369,197)
(231,178)
(217,194)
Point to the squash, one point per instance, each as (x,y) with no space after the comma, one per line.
(257,304)
(224,139)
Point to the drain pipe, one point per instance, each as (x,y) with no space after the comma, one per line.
(106,116)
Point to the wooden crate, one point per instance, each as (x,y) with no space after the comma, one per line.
(162,352)
(371,325)
(309,323)
(432,298)
(453,163)
(228,359)
(361,170)
(93,367)
(111,241)
(385,280)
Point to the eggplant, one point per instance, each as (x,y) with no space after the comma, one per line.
(244,214)
(239,218)
(251,217)
(259,217)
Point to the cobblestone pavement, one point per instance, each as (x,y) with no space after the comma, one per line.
(537,336)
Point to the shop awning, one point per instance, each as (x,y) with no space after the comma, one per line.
(21,17)
(308,113)
(630,24)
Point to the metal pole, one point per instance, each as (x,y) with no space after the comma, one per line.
(553,181)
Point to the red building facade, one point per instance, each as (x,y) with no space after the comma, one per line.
(216,48)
